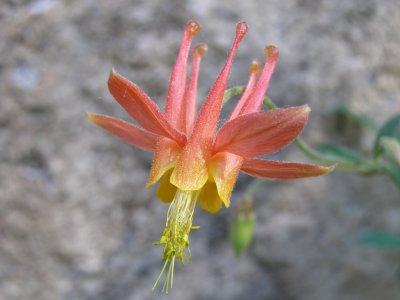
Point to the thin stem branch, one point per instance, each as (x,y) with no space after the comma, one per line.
(252,187)
(368,167)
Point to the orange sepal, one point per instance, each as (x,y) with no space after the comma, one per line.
(141,108)
(125,131)
(269,169)
(166,154)
(224,168)
(260,133)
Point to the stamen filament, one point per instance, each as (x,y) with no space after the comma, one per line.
(175,237)
(159,276)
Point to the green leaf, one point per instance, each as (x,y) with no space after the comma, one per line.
(345,112)
(391,149)
(398,273)
(393,172)
(380,239)
(390,129)
(340,153)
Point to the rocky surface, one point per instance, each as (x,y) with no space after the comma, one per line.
(75,219)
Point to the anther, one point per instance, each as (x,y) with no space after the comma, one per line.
(201,49)
(271,52)
(254,66)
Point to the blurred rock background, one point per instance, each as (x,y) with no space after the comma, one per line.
(75,219)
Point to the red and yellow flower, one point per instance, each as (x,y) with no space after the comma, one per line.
(193,161)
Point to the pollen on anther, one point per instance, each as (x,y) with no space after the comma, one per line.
(201,49)
(254,66)
(271,52)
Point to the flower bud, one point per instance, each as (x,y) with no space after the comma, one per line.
(391,148)
(242,226)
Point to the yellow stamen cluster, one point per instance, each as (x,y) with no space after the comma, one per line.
(175,237)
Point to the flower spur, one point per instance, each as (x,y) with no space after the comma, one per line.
(194,162)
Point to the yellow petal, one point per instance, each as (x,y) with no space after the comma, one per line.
(209,199)
(224,168)
(166,191)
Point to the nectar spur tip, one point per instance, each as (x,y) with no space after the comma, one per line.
(201,49)
(271,52)
(91,116)
(113,72)
(306,108)
(241,29)
(254,66)
(193,27)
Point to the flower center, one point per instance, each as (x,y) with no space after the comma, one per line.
(175,237)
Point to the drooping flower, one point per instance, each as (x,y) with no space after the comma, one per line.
(194,163)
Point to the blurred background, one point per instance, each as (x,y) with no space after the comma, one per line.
(76,221)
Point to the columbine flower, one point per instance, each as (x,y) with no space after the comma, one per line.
(193,163)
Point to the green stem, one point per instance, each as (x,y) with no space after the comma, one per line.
(229,93)
(311,153)
(268,102)
(252,187)
(368,167)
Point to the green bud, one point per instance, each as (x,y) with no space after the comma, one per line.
(391,148)
(242,226)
